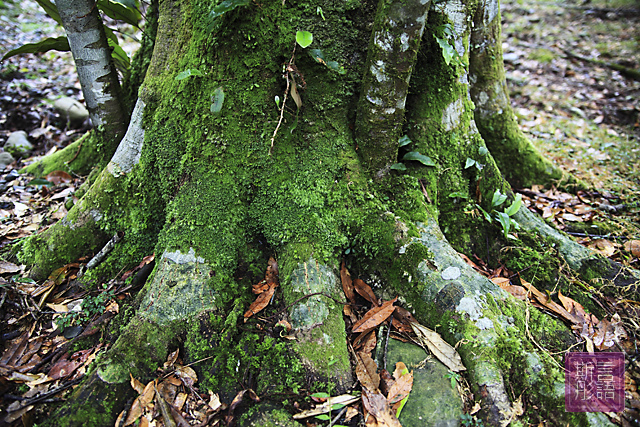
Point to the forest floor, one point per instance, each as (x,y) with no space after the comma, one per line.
(569,99)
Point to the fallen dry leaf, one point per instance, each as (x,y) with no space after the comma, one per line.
(365,291)
(347,284)
(8,267)
(633,247)
(442,350)
(603,246)
(367,372)
(261,301)
(344,399)
(517,291)
(378,406)
(375,316)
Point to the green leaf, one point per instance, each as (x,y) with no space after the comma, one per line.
(483,151)
(484,213)
(51,10)
(319,12)
(25,280)
(119,12)
(337,406)
(458,195)
(318,55)
(321,395)
(414,155)
(470,162)
(404,141)
(402,403)
(120,57)
(333,65)
(304,38)
(505,222)
(58,43)
(39,182)
(218,100)
(277,99)
(131,4)
(398,167)
(188,73)
(515,206)
(323,417)
(227,6)
(447,50)
(498,199)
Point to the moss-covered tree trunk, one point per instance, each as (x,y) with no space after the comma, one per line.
(195,180)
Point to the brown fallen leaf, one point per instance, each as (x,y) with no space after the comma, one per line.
(378,406)
(402,385)
(261,301)
(367,372)
(58,177)
(375,316)
(272,271)
(517,291)
(603,246)
(8,267)
(442,350)
(347,284)
(633,247)
(67,366)
(365,291)
(344,399)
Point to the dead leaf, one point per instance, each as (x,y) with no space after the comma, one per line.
(442,350)
(603,246)
(272,271)
(347,284)
(365,291)
(633,247)
(261,301)
(66,366)
(517,291)
(402,385)
(378,406)
(375,316)
(187,375)
(136,385)
(58,177)
(294,93)
(8,267)
(366,371)
(171,359)
(344,399)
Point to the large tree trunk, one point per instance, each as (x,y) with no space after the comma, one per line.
(204,190)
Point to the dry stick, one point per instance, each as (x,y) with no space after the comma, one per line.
(284,101)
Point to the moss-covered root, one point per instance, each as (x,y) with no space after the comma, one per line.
(516,156)
(90,223)
(318,322)
(490,329)
(581,259)
(77,158)
(140,349)
(393,49)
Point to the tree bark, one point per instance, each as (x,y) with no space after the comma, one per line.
(199,185)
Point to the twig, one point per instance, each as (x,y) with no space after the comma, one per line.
(284,101)
(337,417)
(103,252)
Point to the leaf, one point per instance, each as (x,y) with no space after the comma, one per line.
(470,162)
(603,246)
(367,372)
(261,301)
(51,10)
(58,177)
(414,155)
(136,385)
(8,267)
(347,284)
(398,167)
(403,384)
(365,291)
(40,181)
(442,350)
(119,12)
(498,199)
(271,276)
(447,50)
(517,291)
(188,73)
(483,151)
(295,95)
(335,66)
(304,38)
(217,100)
(378,406)
(59,43)
(633,247)
(120,57)
(227,6)
(404,140)
(344,399)
(504,221)
(318,55)
(375,316)
(515,206)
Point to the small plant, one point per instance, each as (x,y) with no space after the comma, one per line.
(445,36)
(482,151)
(91,306)
(471,421)
(411,155)
(454,377)
(503,218)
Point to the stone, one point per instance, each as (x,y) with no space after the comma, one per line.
(432,402)
(5,159)
(71,109)
(17,144)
